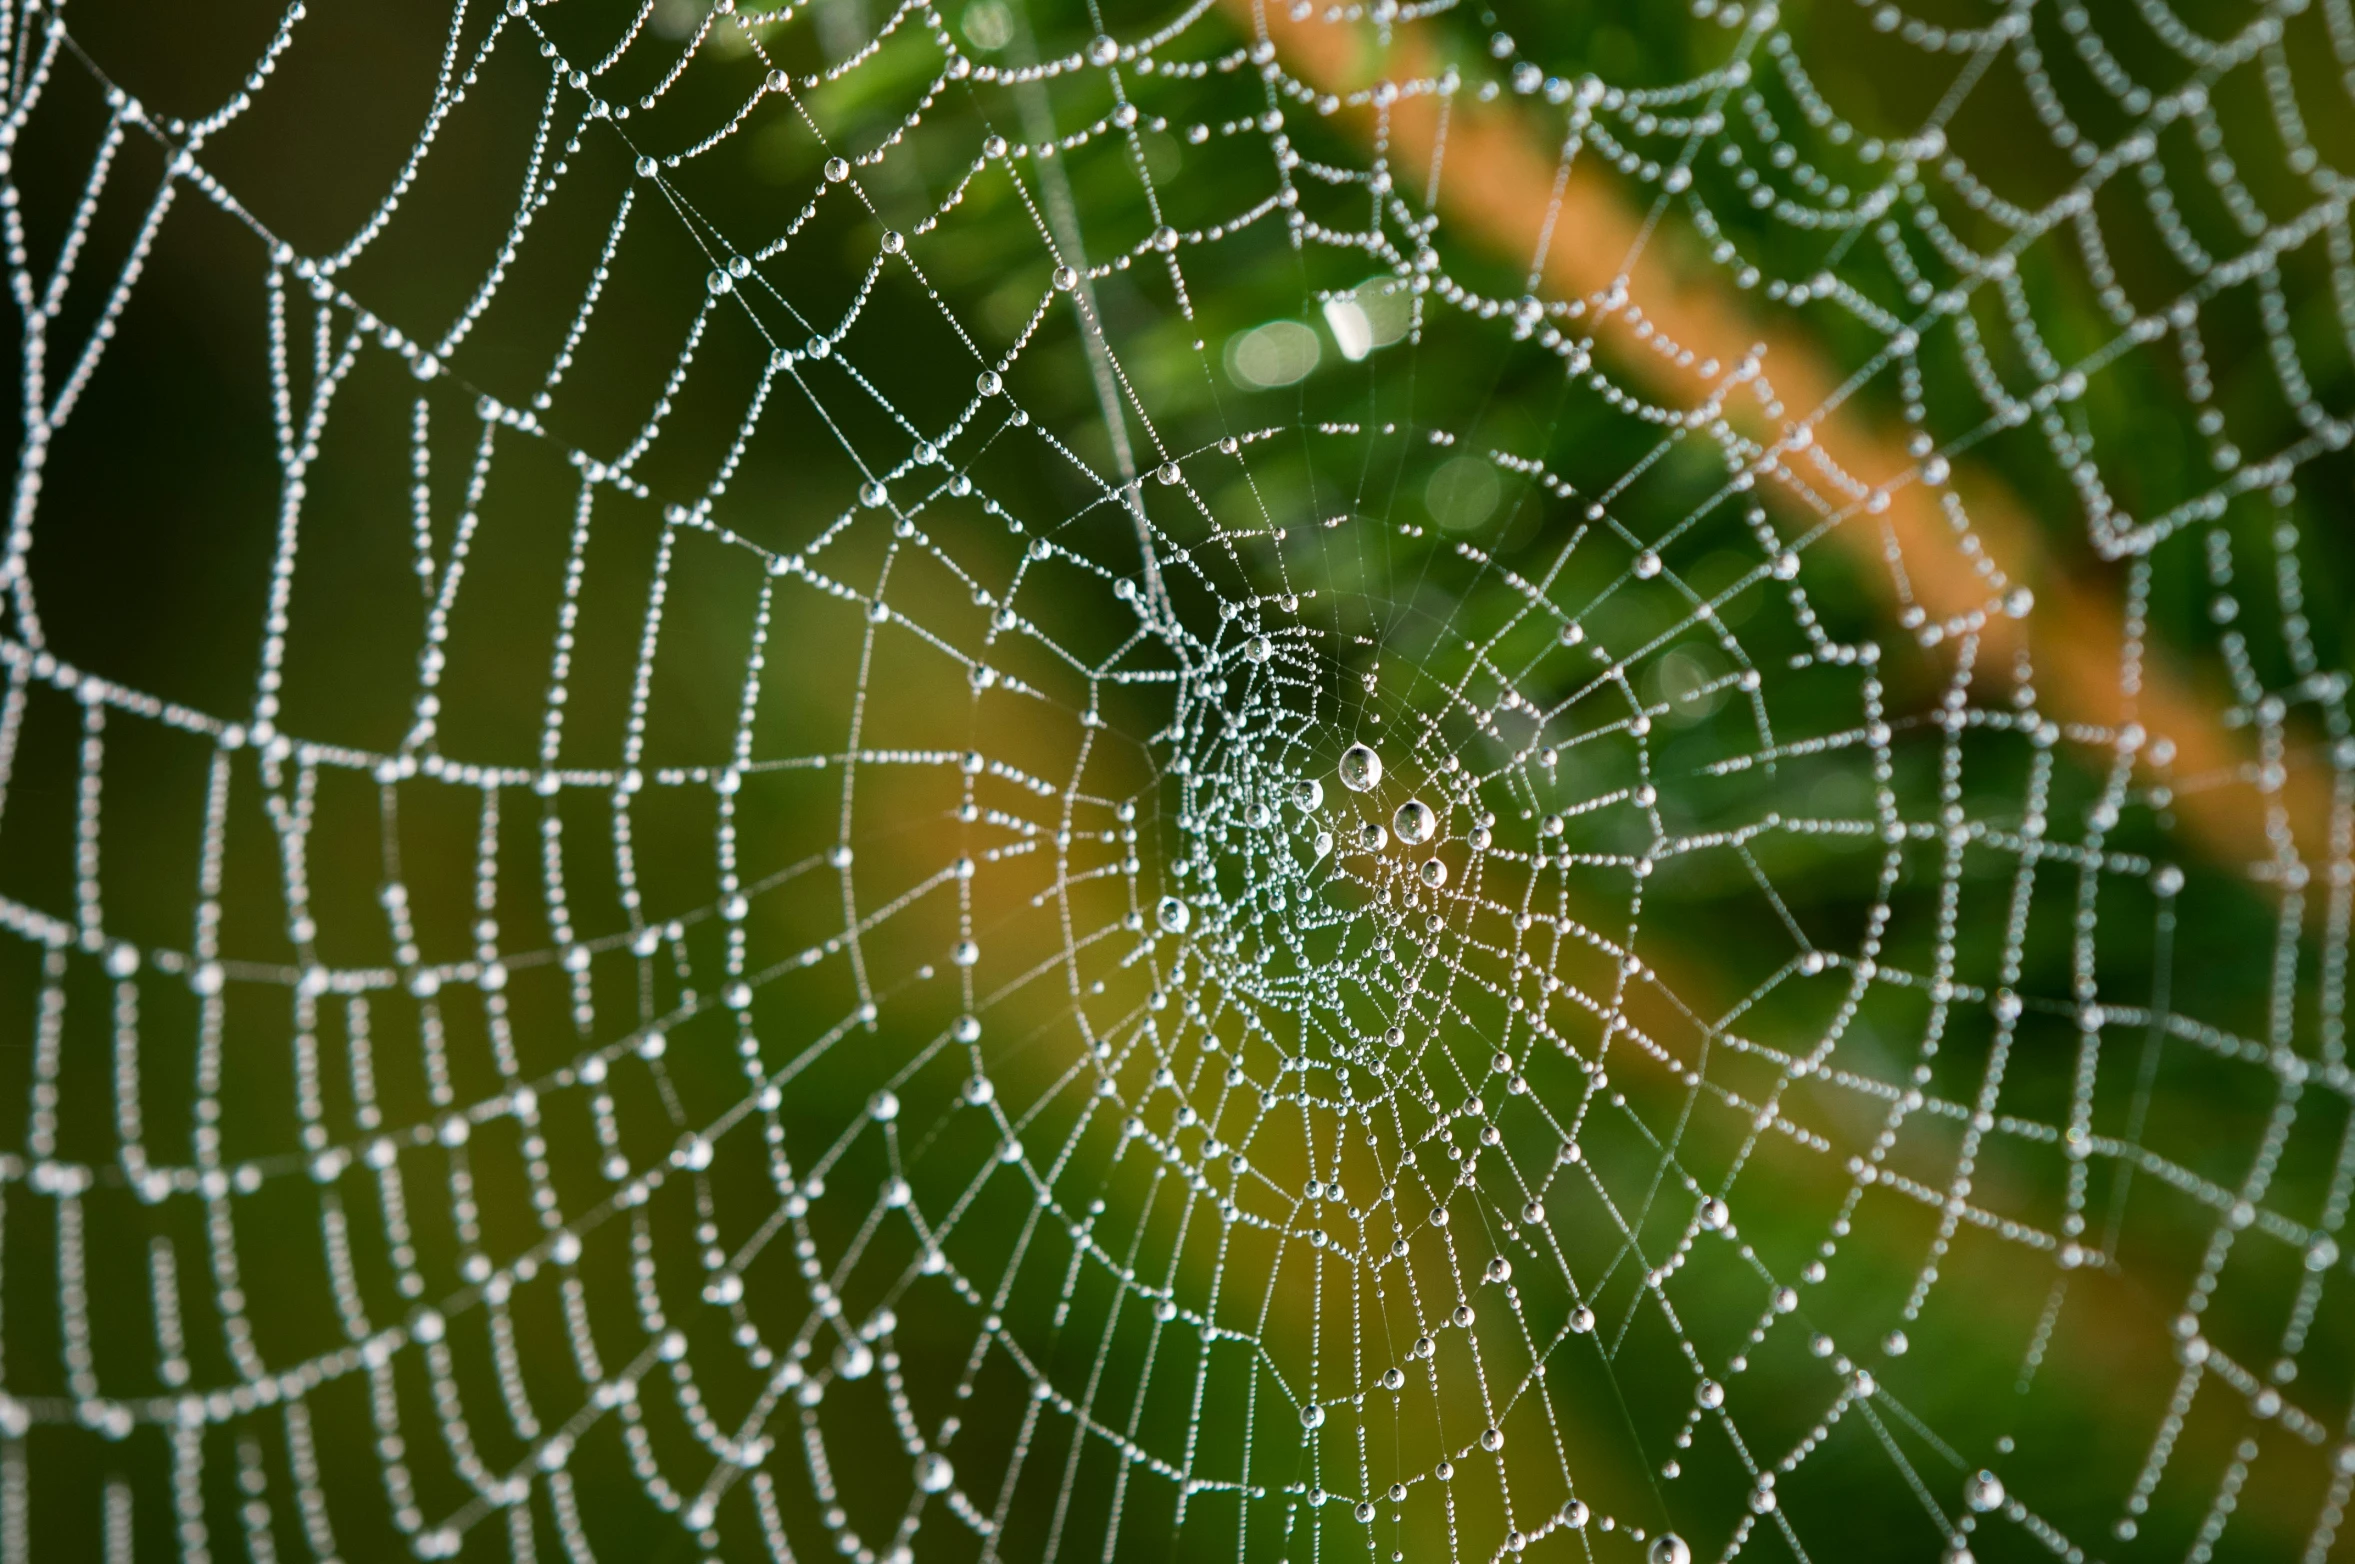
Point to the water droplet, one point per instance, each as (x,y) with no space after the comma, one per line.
(1669,1548)
(988,383)
(1308,793)
(836,171)
(1983,1491)
(1414,822)
(1714,1216)
(1173,914)
(1492,1439)
(1372,837)
(1710,1394)
(1259,648)
(1500,1269)
(1102,51)
(1434,873)
(1066,279)
(933,1472)
(1361,768)
(1312,1416)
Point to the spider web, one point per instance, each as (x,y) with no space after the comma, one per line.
(985,796)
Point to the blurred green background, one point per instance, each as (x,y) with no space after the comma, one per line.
(1380,518)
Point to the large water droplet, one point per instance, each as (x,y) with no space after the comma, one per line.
(1434,873)
(1983,1491)
(933,1472)
(1312,1416)
(1372,837)
(1308,793)
(1259,648)
(1361,768)
(1669,1548)
(1173,914)
(1414,822)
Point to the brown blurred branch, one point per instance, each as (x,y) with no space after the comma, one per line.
(1497,187)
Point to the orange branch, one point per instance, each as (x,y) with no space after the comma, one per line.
(1497,188)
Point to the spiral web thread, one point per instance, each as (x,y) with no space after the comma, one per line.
(1118,1134)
